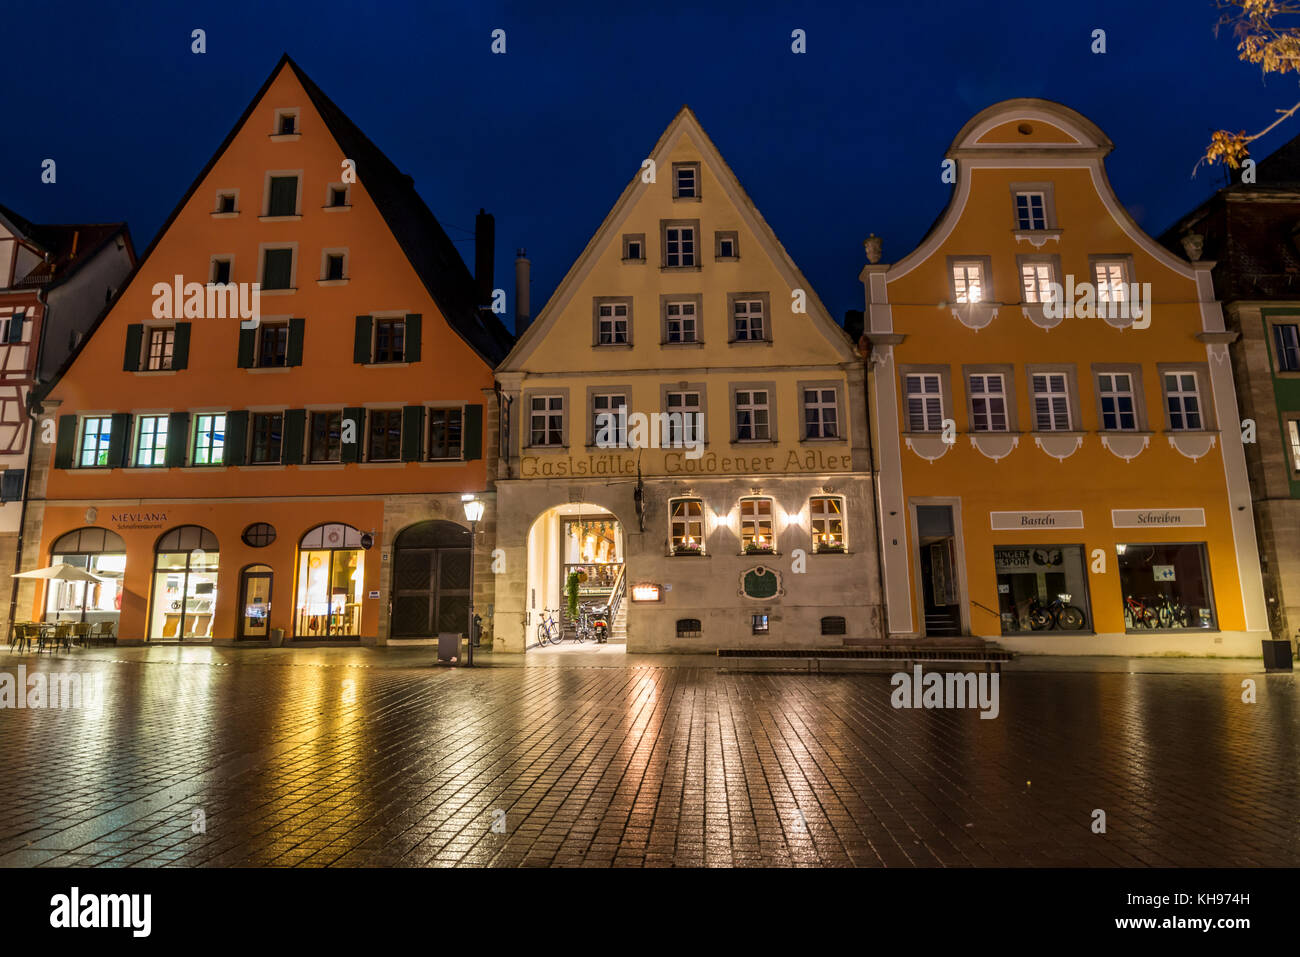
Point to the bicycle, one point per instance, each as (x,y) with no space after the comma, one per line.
(1172,614)
(1055,614)
(1137,613)
(548,629)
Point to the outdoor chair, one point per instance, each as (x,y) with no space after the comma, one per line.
(81,632)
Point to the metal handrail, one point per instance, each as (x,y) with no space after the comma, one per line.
(616,596)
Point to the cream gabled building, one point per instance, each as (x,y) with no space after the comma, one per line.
(762,534)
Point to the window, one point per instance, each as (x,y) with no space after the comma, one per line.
(1293,443)
(924,402)
(286,122)
(11,485)
(385,439)
(96,434)
(1042,588)
(728,245)
(1051,396)
(444,434)
(1286,344)
(679,246)
(1036,279)
(1166,587)
(1110,276)
(686,180)
(686,526)
(277,268)
(611,323)
(968,281)
(226,202)
(821,414)
(988,403)
(1118,410)
(390,340)
(747,319)
(259,535)
(634,247)
(220,271)
(338,196)
(326,437)
(759,623)
(826,519)
(268,433)
(689,628)
(272,344)
(209,440)
(680,317)
(1183,401)
(150,441)
(15,331)
(159,348)
(546,426)
(752,424)
(756,525)
(834,625)
(333,266)
(683,418)
(609,420)
(282,197)
(1031,211)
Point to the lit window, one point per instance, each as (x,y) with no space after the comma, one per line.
(150,441)
(1293,435)
(1109,275)
(96,434)
(686,526)
(1037,280)
(756,525)
(160,346)
(826,515)
(968,281)
(760,624)
(209,439)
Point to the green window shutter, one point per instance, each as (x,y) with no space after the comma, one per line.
(66,446)
(134,343)
(119,440)
(236,438)
(412,353)
(277,268)
(295,423)
(293,355)
(284,196)
(178,439)
(181,346)
(473,432)
(248,347)
(351,451)
(361,339)
(412,433)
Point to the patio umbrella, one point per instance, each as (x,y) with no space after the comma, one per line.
(60,572)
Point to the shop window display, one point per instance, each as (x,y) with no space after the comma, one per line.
(1166,586)
(1042,588)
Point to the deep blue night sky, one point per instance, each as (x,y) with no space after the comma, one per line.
(831,145)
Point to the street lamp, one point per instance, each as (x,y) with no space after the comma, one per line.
(473,514)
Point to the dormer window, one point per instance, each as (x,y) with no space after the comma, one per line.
(686,180)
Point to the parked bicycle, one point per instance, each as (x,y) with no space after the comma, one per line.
(1055,614)
(548,629)
(1172,614)
(1137,614)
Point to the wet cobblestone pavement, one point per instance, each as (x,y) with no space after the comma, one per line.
(351,757)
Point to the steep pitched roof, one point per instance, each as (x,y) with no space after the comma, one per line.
(66,245)
(685,123)
(417,231)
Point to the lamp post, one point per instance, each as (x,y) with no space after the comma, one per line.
(473,513)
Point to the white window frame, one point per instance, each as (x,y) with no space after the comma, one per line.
(752,525)
(674,247)
(1113,391)
(619,410)
(820,519)
(987,402)
(1035,279)
(103,433)
(693,169)
(1058,419)
(752,408)
(553,407)
(1180,395)
(819,406)
(1042,212)
(167,352)
(929,413)
(200,432)
(968,273)
(682,429)
(157,456)
(1104,277)
(683,306)
(679,525)
(606,314)
(748,316)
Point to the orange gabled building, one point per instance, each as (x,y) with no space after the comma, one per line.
(301,470)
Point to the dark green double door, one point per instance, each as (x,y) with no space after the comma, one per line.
(431,582)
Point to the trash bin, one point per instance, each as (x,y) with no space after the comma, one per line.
(277,637)
(448,645)
(1277,654)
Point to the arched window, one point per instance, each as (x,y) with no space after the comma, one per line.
(331,582)
(184,590)
(100,552)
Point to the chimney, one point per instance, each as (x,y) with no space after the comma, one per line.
(522,281)
(485,239)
